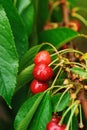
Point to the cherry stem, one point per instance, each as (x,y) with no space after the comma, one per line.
(54,48)
(83,35)
(81,122)
(76,63)
(71,126)
(77,91)
(60,64)
(53,61)
(75,9)
(70,50)
(82,19)
(70,118)
(56,77)
(57,86)
(65,113)
(61,87)
(61,98)
(54,54)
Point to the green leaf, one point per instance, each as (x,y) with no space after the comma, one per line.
(57,15)
(26,11)
(8,59)
(42,13)
(19,98)
(27,111)
(82,73)
(22,5)
(73,2)
(58,36)
(42,115)
(28,17)
(61,78)
(63,103)
(25,76)
(74,123)
(20,35)
(28,58)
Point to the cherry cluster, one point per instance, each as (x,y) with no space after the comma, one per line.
(42,72)
(54,124)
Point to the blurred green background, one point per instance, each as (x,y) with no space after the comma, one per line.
(81,43)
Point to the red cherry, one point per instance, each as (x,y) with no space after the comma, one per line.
(42,57)
(64,47)
(63,126)
(37,86)
(42,72)
(53,126)
(55,119)
(75,25)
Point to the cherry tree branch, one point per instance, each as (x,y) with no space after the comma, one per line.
(65,12)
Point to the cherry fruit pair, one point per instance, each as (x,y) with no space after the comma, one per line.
(53,124)
(41,72)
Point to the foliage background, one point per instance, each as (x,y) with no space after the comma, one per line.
(40,16)
(82,43)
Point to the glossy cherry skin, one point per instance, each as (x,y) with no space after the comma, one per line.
(42,72)
(64,47)
(42,57)
(55,119)
(63,127)
(37,86)
(53,126)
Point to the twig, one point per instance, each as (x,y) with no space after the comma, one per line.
(65,12)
